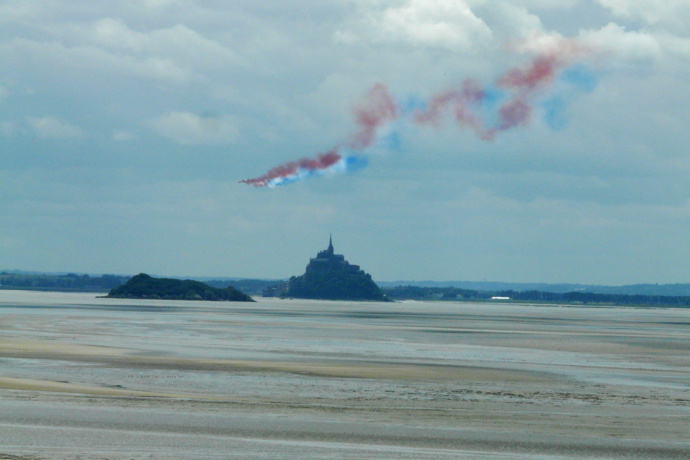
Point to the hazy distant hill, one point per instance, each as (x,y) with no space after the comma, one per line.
(248,286)
(678,289)
(63,281)
(144,286)
(67,282)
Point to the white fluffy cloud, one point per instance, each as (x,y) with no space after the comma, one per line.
(53,128)
(624,43)
(448,24)
(672,14)
(190,129)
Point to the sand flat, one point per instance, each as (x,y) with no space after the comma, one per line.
(86,377)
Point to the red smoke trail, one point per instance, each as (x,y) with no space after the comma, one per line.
(520,85)
(525,82)
(514,113)
(540,72)
(323,161)
(536,76)
(470,94)
(462,103)
(544,68)
(377,109)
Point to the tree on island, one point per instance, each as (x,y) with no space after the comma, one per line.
(143,286)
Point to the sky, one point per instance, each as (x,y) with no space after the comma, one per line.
(126,128)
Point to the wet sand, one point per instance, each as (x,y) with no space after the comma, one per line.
(84,377)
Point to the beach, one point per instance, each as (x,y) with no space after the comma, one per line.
(85,377)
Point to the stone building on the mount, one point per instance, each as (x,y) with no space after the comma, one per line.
(329,276)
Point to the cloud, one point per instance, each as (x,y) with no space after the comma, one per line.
(53,128)
(190,129)
(11,11)
(110,46)
(546,4)
(509,20)
(673,15)
(179,43)
(4,93)
(86,59)
(123,136)
(431,23)
(625,43)
(155,4)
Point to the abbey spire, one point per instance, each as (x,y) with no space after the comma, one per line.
(329,276)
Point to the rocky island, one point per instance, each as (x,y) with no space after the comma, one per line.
(329,276)
(143,286)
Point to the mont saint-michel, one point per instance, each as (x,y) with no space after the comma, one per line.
(329,276)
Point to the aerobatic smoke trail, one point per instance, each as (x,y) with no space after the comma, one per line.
(462,102)
(524,83)
(376,110)
(509,103)
(295,169)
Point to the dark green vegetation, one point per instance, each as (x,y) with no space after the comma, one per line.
(329,276)
(52,282)
(144,286)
